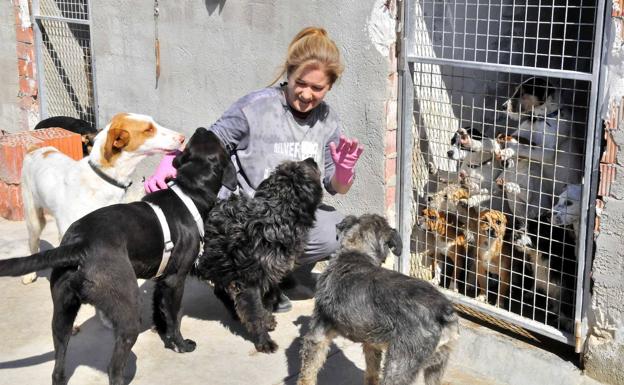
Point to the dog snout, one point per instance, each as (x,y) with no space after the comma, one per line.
(492,232)
(450,154)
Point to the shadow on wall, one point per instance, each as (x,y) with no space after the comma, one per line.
(212,5)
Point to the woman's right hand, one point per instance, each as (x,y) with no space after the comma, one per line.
(164,171)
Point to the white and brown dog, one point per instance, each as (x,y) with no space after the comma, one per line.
(70,189)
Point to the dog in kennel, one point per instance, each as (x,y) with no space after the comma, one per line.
(532,173)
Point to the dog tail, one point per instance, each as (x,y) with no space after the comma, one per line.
(62,256)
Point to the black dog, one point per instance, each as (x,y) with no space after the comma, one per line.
(383,309)
(102,254)
(78,126)
(251,244)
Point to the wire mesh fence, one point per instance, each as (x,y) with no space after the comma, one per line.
(533,33)
(495,225)
(65,59)
(504,107)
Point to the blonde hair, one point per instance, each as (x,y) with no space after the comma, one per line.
(312,47)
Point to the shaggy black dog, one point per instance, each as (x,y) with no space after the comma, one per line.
(382,309)
(86,131)
(251,244)
(103,253)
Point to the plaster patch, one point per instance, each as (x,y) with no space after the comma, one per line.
(381,27)
(614,66)
(24,14)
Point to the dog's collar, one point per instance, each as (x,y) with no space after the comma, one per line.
(107,178)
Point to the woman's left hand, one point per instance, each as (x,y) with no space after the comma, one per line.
(345,156)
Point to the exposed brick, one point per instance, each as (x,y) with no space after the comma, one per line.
(28,86)
(609,156)
(24,35)
(391,142)
(27,102)
(607,176)
(25,68)
(67,142)
(11,206)
(25,51)
(390,196)
(13,148)
(391,167)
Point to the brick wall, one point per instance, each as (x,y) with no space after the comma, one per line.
(390,147)
(28,91)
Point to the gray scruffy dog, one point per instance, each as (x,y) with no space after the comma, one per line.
(383,309)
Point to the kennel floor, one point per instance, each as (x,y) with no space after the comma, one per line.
(224,355)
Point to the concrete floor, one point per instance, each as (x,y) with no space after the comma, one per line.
(224,356)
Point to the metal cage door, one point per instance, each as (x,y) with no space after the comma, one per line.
(478,78)
(64,59)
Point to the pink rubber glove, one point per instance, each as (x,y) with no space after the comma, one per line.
(165,170)
(345,156)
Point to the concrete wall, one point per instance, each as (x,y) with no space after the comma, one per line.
(9,111)
(215,51)
(604,349)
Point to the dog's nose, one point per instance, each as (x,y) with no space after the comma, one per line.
(450,154)
(492,233)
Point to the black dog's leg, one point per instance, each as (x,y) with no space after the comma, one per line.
(314,351)
(227,301)
(372,356)
(167,301)
(127,323)
(270,300)
(255,318)
(66,305)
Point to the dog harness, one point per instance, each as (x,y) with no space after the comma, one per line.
(168,244)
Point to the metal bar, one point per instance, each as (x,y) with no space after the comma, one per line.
(66,19)
(93,72)
(510,317)
(404,150)
(43,110)
(507,68)
(592,170)
(404,174)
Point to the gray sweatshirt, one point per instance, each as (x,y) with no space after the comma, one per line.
(260,131)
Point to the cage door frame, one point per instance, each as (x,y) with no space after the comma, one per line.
(408,58)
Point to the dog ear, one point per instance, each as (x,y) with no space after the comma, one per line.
(229,180)
(395,243)
(311,162)
(348,222)
(116,139)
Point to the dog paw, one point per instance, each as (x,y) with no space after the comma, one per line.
(432,168)
(504,154)
(29,278)
(511,188)
(266,345)
(482,298)
(509,163)
(184,346)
